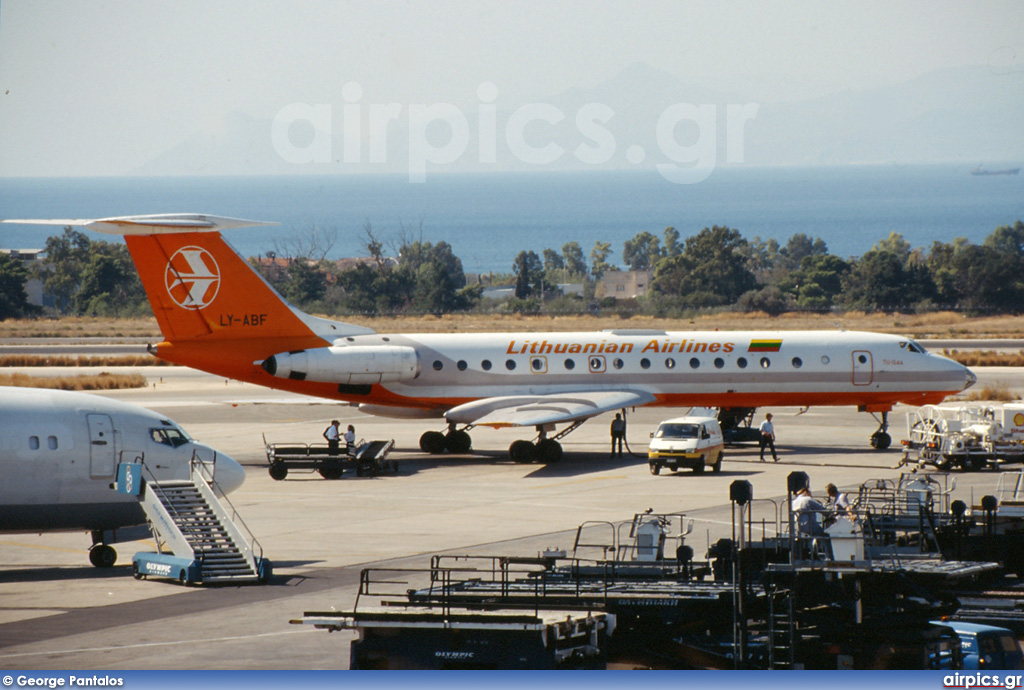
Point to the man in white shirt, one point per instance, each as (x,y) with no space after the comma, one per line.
(768,436)
(332,435)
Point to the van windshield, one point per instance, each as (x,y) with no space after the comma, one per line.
(677,431)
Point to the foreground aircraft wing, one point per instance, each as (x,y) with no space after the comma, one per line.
(534,410)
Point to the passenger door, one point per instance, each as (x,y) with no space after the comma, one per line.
(102,453)
(863,369)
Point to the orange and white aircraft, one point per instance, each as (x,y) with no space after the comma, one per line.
(217,314)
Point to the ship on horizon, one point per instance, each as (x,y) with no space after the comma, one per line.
(982,170)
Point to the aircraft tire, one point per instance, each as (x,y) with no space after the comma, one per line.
(278,470)
(102,556)
(432,442)
(549,451)
(522,451)
(458,442)
(880,440)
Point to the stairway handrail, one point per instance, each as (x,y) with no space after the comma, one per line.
(208,476)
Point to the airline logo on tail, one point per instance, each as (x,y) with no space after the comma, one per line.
(193,278)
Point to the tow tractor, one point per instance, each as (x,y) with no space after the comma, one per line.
(970,437)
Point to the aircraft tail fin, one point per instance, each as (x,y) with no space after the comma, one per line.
(200,287)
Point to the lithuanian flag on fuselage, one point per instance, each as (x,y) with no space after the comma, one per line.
(764,345)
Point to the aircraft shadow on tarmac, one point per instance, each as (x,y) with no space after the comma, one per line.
(57,573)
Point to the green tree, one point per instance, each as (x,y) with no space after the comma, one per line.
(13,299)
(672,246)
(575,262)
(889,277)
(305,283)
(599,259)
(817,283)
(711,271)
(643,252)
(88,277)
(553,261)
(66,256)
(529,274)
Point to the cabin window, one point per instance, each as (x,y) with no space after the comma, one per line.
(538,364)
(825,359)
(797,362)
(670,363)
(485,365)
(570,364)
(33,443)
(462,365)
(618,363)
(862,359)
(741,362)
(386,339)
(765,362)
(694,363)
(510,364)
(645,363)
(51,442)
(719,362)
(438,365)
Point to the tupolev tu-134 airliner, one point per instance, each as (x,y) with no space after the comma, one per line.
(218,315)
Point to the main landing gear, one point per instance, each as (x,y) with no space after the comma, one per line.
(456,441)
(544,449)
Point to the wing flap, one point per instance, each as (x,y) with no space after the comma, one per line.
(554,408)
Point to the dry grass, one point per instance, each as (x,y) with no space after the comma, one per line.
(931,325)
(995,393)
(98,382)
(81,361)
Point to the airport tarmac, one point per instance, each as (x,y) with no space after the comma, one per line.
(58,612)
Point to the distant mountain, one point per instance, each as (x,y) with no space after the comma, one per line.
(967,114)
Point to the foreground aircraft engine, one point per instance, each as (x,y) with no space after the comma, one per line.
(352,364)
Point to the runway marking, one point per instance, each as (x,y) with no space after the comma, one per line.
(42,547)
(154,644)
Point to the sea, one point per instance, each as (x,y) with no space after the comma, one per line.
(489,218)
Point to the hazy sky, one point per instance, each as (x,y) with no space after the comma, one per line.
(102,87)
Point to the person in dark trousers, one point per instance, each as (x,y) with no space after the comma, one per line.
(350,441)
(768,437)
(618,434)
(332,434)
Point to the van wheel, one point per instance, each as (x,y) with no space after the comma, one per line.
(717,467)
(655,469)
(699,469)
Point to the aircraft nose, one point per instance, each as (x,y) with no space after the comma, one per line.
(971,378)
(228,474)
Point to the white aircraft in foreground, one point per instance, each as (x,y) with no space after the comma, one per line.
(58,458)
(217,314)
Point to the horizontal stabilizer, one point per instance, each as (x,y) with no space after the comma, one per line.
(149,224)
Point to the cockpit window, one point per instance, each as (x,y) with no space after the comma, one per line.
(912,346)
(676,431)
(169,437)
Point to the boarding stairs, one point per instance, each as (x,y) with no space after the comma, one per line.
(194,521)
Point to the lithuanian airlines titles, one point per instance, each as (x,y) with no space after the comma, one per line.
(217,314)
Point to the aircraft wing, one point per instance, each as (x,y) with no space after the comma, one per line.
(554,408)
